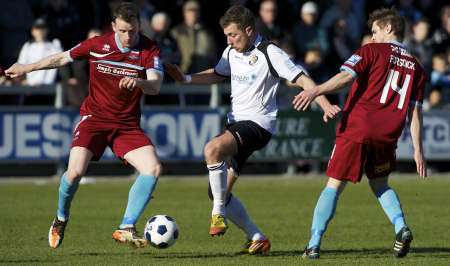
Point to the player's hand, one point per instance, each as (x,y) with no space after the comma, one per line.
(302,100)
(421,164)
(128,83)
(175,72)
(17,70)
(330,112)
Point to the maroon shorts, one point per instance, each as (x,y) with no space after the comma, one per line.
(349,159)
(96,135)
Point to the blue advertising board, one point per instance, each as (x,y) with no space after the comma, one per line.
(46,135)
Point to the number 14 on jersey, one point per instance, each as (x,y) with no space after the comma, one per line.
(392,82)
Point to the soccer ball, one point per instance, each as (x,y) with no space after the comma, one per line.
(161,231)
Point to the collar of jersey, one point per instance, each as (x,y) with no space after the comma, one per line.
(255,44)
(397,43)
(119,45)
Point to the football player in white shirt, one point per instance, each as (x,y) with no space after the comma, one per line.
(255,67)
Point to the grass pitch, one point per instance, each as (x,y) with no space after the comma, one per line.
(360,233)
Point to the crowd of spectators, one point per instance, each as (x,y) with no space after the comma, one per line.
(318,35)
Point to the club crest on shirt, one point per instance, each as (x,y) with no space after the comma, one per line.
(106,47)
(353,60)
(253,59)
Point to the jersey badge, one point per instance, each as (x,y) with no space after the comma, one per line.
(253,59)
(353,60)
(106,47)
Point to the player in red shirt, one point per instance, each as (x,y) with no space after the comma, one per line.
(388,85)
(124,65)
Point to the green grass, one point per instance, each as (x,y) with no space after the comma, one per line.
(360,234)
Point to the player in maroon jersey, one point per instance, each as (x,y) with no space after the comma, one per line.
(387,85)
(124,65)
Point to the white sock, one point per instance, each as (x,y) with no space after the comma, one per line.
(218,183)
(238,215)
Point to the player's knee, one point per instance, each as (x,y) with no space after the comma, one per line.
(212,152)
(153,170)
(74,175)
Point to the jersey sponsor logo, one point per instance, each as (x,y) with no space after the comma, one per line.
(116,71)
(106,47)
(100,55)
(253,59)
(353,60)
(245,79)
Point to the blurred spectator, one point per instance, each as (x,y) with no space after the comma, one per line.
(434,100)
(441,37)
(440,76)
(342,45)
(15,23)
(440,83)
(75,78)
(307,34)
(146,13)
(406,8)
(196,43)
(160,34)
(64,22)
(419,44)
(37,49)
(314,64)
(342,11)
(266,24)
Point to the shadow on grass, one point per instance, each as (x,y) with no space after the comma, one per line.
(28,262)
(193,255)
(438,252)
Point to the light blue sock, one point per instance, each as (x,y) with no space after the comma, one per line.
(324,211)
(391,206)
(138,198)
(65,196)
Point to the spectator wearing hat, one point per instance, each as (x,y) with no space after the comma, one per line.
(36,49)
(159,32)
(307,34)
(196,43)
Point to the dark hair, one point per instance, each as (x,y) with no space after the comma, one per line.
(240,15)
(384,16)
(126,11)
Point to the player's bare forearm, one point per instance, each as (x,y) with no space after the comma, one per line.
(206,77)
(416,136)
(416,128)
(150,87)
(335,83)
(52,61)
(307,83)
(152,84)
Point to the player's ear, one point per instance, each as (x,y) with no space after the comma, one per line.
(388,28)
(248,30)
(113,25)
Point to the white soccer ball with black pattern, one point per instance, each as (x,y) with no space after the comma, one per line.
(161,231)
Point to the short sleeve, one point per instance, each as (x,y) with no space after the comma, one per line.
(359,62)
(223,66)
(152,60)
(82,49)
(282,64)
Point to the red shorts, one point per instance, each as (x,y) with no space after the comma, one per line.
(349,159)
(96,135)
